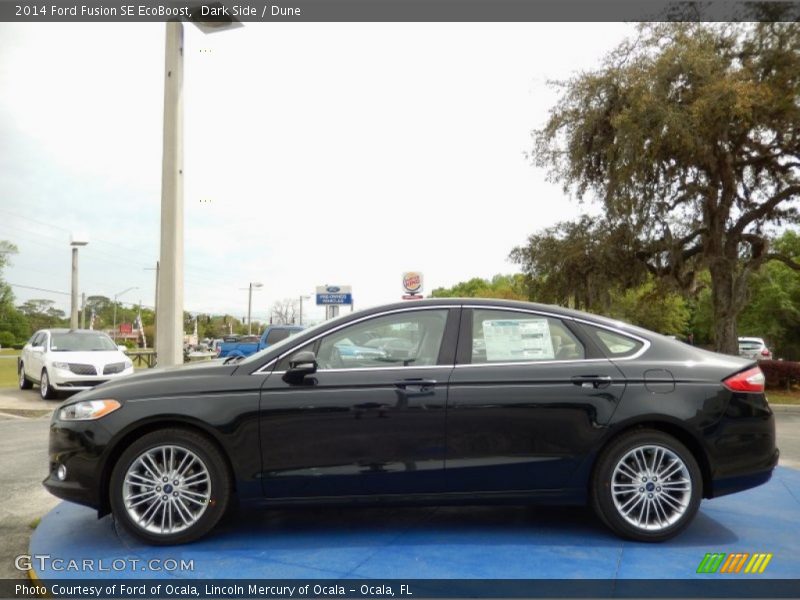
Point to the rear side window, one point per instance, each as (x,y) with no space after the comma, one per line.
(614,344)
(508,336)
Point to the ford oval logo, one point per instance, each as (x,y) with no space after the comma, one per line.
(332,289)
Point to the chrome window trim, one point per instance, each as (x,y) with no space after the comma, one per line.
(530,362)
(376,369)
(261,370)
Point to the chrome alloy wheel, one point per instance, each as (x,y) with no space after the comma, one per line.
(166,489)
(651,487)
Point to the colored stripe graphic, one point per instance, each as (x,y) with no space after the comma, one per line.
(718,562)
(711,563)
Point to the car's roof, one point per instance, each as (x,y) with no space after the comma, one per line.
(751,339)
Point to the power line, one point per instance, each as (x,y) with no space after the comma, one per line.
(30,287)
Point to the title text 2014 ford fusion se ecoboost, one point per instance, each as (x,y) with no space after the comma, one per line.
(440,401)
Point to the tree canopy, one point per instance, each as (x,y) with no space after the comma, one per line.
(689,138)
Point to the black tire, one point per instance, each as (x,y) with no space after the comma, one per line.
(46,391)
(674,502)
(218,490)
(24,382)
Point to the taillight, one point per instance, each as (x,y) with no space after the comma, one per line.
(751,380)
(765,352)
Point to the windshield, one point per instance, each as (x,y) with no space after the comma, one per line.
(81,342)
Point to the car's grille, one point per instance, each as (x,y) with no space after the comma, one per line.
(81,369)
(112,368)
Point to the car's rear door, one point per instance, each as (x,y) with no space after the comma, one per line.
(527,401)
(368,421)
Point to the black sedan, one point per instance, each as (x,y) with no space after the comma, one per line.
(483,402)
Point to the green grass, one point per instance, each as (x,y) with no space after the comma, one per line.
(8,370)
(8,352)
(784,396)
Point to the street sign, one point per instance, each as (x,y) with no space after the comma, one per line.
(334,294)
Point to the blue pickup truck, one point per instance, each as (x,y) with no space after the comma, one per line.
(250,344)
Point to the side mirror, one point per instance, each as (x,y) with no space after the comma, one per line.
(300,365)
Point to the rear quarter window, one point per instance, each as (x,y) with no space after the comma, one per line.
(614,344)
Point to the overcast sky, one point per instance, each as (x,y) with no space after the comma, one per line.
(315,153)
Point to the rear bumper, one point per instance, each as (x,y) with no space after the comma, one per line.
(743,449)
(731,485)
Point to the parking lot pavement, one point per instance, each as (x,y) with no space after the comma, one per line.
(25,403)
(23,465)
(787,426)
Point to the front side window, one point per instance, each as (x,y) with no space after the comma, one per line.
(405,339)
(509,336)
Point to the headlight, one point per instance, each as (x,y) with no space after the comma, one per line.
(88,410)
(61,365)
(128,364)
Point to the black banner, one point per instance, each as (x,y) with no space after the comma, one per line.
(713,587)
(397,10)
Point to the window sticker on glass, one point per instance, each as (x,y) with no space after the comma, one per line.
(512,339)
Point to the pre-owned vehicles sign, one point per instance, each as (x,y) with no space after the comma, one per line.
(334,294)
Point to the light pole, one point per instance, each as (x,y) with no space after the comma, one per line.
(115,307)
(253,284)
(169,327)
(301,307)
(76,241)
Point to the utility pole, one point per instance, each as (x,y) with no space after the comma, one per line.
(83,310)
(75,242)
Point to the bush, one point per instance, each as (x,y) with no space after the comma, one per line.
(7,339)
(780,373)
(17,346)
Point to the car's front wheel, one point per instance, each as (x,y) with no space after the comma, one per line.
(47,391)
(24,382)
(647,486)
(170,487)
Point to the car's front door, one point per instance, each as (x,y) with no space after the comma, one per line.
(527,401)
(36,355)
(371,420)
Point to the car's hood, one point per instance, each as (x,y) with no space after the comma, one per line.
(200,376)
(98,359)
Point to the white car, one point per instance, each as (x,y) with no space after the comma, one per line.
(753,347)
(70,360)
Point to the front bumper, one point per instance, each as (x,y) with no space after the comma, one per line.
(64,380)
(80,447)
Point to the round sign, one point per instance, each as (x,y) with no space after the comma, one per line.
(412,282)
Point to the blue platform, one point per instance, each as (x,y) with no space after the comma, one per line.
(441,543)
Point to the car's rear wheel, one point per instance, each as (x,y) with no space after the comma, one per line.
(170,487)
(647,486)
(24,382)
(47,391)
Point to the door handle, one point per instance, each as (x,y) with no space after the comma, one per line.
(592,381)
(423,384)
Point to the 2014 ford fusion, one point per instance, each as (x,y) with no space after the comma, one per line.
(469,401)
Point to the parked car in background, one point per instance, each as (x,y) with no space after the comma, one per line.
(250,344)
(755,348)
(494,402)
(62,360)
